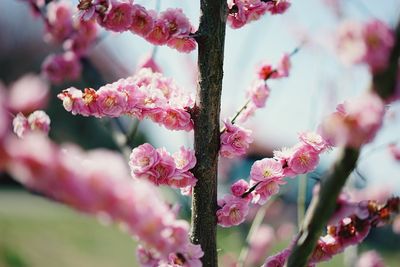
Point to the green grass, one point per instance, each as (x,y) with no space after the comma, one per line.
(35,232)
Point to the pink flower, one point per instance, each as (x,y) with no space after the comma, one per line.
(284,66)
(265,71)
(28,93)
(239,188)
(159,34)
(83,37)
(370,259)
(87,9)
(259,92)
(118,17)
(147,257)
(177,119)
(72,100)
(233,210)
(60,68)
(278,6)
(235,140)
(164,169)
(142,20)
(142,159)
(111,101)
(379,40)
(278,260)
(21,125)
(303,160)
(184,159)
(314,140)
(183,44)
(355,122)
(266,169)
(189,256)
(369,43)
(39,121)
(265,189)
(97,182)
(59,24)
(177,23)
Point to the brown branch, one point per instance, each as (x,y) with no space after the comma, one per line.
(210,39)
(323,205)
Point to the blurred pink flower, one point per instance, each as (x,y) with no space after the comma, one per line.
(63,67)
(233,210)
(370,259)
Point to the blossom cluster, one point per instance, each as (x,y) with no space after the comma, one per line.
(188,256)
(258,92)
(97,182)
(242,12)
(146,94)
(161,168)
(235,140)
(170,27)
(36,121)
(369,43)
(75,36)
(350,230)
(355,122)
(267,175)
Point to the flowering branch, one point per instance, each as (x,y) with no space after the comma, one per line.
(323,205)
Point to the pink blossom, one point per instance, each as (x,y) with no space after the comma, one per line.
(84,36)
(235,140)
(63,67)
(177,119)
(72,100)
(177,23)
(247,113)
(266,169)
(142,159)
(265,189)
(265,71)
(111,101)
(370,259)
(87,9)
(28,93)
(369,43)
(303,160)
(259,92)
(118,17)
(379,40)
(239,188)
(59,24)
(183,44)
(164,169)
(278,6)
(184,159)
(142,20)
(355,122)
(20,125)
(147,257)
(96,182)
(39,121)
(278,260)
(189,256)
(233,210)
(314,140)
(159,34)
(284,66)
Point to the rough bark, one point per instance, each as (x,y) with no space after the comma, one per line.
(323,205)
(210,38)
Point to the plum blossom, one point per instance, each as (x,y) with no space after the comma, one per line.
(394,151)
(59,68)
(59,24)
(303,160)
(235,140)
(96,182)
(355,122)
(265,169)
(161,168)
(265,189)
(142,20)
(37,121)
(368,43)
(258,93)
(28,94)
(239,188)
(260,243)
(118,16)
(233,210)
(146,94)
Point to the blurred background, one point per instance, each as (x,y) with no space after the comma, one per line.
(37,232)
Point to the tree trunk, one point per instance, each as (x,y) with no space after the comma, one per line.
(210,38)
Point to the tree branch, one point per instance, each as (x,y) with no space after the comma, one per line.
(211,38)
(323,205)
